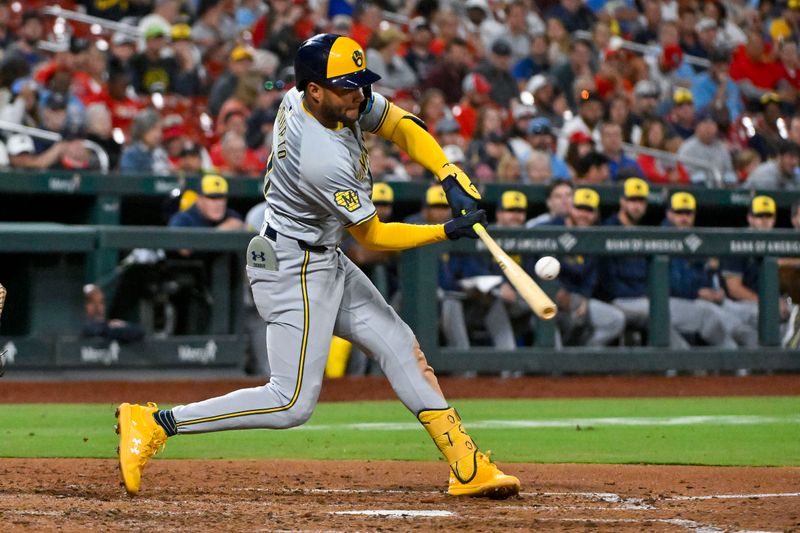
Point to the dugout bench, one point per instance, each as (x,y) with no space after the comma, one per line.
(658,244)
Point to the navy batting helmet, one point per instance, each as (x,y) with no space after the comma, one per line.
(333,61)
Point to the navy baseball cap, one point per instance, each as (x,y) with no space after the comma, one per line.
(540,126)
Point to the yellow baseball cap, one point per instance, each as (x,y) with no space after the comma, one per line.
(584,197)
(772,97)
(435,197)
(382,193)
(241,53)
(181,32)
(682,95)
(683,201)
(762,205)
(513,200)
(213,186)
(636,188)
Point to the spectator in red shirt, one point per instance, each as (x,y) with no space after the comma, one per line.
(657,170)
(65,61)
(367,19)
(123,107)
(89,81)
(754,66)
(174,138)
(448,72)
(580,144)
(232,120)
(237,159)
(476,90)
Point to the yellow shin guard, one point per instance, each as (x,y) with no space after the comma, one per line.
(444,427)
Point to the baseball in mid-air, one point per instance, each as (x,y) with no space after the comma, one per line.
(547,267)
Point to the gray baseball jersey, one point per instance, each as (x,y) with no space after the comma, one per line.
(317,184)
(318,181)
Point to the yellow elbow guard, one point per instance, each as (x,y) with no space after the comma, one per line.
(409,133)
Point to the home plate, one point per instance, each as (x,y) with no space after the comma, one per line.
(397,513)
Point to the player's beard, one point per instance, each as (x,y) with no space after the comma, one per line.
(332,114)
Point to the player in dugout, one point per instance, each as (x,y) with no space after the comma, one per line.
(583,320)
(625,279)
(697,280)
(318,187)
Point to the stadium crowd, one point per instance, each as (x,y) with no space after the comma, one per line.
(518,91)
(571,94)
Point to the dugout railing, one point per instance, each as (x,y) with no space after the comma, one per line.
(45,265)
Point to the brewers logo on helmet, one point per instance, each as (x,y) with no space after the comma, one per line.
(332,61)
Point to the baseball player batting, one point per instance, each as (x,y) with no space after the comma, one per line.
(317,186)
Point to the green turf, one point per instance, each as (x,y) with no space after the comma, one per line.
(39,430)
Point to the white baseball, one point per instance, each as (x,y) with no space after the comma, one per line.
(547,267)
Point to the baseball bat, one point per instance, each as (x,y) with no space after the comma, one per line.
(540,303)
(2,298)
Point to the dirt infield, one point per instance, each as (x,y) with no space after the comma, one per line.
(48,495)
(83,495)
(377,388)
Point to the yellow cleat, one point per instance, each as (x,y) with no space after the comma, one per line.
(140,437)
(488,481)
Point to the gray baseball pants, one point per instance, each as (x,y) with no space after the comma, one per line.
(310,297)
(686,317)
(495,319)
(602,322)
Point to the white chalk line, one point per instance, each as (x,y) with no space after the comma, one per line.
(691,525)
(717,420)
(608,497)
(334,491)
(736,496)
(23,512)
(398,513)
(271,530)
